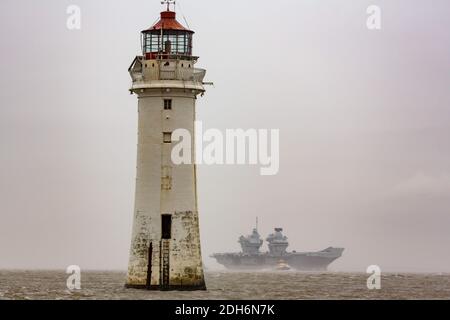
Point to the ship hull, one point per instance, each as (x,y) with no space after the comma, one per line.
(307,261)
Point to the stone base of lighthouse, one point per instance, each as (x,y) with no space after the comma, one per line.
(165,250)
(173,264)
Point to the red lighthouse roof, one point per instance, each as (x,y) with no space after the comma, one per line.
(168,21)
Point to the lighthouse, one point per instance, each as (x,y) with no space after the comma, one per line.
(165,246)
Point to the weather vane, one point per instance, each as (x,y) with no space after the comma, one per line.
(169,2)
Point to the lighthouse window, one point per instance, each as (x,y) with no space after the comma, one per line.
(166,232)
(167,136)
(171,42)
(167,104)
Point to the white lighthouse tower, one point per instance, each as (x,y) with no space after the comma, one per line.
(165,247)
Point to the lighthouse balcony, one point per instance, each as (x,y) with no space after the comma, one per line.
(145,71)
(184,74)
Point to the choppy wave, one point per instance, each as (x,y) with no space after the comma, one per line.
(229,285)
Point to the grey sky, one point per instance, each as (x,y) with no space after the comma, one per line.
(364,118)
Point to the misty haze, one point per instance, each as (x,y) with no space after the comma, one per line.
(364,120)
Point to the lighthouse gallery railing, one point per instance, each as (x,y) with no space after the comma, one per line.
(170,73)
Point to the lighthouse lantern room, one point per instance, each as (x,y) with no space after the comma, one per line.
(167,39)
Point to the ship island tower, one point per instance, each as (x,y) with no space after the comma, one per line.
(165,247)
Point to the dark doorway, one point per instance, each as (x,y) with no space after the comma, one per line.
(149,266)
(166,226)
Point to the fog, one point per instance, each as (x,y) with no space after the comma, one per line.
(364,120)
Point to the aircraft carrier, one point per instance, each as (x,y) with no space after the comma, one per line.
(251,258)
